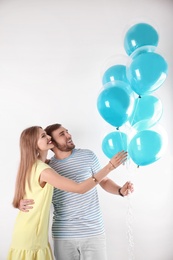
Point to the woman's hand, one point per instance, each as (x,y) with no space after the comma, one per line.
(118,159)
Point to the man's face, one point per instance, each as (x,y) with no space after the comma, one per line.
(62,139)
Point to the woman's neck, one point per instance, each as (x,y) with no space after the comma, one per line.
(43,156)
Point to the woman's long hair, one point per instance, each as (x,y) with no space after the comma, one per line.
(28,156)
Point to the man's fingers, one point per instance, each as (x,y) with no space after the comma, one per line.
(27,202)
(25,205)
(26,208)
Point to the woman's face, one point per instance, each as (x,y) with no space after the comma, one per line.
(44,141)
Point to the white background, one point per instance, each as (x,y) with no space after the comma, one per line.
(51,61)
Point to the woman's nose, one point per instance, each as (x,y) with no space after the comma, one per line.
(49,137)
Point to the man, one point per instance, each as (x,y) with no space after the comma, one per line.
(78,229)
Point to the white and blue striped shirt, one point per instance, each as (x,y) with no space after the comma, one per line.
(76,215)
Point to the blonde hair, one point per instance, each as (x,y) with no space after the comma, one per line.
(28,156)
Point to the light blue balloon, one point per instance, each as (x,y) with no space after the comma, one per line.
(145,147)
(115,103)
(113,143)
(141,34)
(146,113)
(116,72)
(147,72)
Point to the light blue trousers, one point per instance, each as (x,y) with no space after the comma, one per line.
(90,248)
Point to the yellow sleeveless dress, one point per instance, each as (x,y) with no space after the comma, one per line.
(30,234)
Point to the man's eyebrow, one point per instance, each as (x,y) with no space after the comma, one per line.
(61,132)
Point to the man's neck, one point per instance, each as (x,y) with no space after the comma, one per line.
(60,155)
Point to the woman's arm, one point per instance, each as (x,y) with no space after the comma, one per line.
(53,178)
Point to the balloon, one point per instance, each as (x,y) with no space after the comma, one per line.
(146,147)
(114,60)
(146,113)
(147,72)
(116,72)
(113,143)
(141,50)
(115,103)
(141,34)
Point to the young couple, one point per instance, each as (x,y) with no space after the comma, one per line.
(78,228)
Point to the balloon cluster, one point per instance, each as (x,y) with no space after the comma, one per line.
(126,97)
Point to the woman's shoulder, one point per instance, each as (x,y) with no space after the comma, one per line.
(40,165)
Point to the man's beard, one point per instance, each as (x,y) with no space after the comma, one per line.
(64,148)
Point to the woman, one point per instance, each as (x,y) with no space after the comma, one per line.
(35,180)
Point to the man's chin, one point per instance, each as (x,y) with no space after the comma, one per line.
(70,147)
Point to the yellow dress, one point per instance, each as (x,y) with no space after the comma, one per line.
(30,234)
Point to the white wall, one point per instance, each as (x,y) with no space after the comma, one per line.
(51,58)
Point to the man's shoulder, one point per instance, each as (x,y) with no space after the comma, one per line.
(84,150)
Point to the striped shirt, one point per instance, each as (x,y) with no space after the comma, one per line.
(76,215)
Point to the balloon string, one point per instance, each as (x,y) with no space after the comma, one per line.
(129,221)
(136,107)
(130,218)
(122,141)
